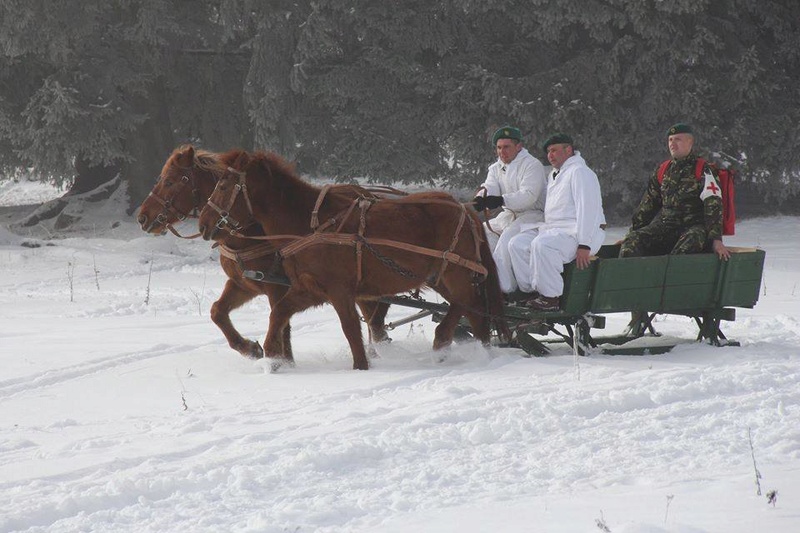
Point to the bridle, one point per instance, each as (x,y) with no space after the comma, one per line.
(225,218)
(168,204)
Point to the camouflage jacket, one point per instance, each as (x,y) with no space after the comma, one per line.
(678,199)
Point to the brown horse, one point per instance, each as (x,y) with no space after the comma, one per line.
(400,244)
(186,181)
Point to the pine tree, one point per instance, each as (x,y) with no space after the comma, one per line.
(400,91)
(95,88)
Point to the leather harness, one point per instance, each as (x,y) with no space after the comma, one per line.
(363,202)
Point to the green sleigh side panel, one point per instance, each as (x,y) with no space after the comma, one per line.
(680,284)
(630,284)
(741,282)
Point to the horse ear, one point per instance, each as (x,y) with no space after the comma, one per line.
(184,156)
(188,156)
(241,161)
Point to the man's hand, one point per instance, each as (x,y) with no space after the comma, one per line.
(582,258)
(722,252)
(487,202)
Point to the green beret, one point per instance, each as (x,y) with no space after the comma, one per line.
(507,132)
(680,127)
(558,138)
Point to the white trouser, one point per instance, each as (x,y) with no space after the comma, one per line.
(520,254)
(509,226)
(502,258)
(509,258)
(538,258)
(498,226)
(550,251)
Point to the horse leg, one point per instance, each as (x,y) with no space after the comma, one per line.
(351,326)
(278,331)
(481,327)
(443,336)
(472,306)
(287,342)
(374,314)
(233,297)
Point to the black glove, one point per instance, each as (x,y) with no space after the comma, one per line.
(487,202)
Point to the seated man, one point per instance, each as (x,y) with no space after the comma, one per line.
(680,214)
(573,228)
(515,182)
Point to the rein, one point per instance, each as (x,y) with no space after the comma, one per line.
(486,212)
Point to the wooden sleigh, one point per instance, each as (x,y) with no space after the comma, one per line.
(699,286)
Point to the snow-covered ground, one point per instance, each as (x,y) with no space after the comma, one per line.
(23,190)
(122,409)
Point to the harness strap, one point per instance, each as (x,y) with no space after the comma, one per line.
(364,204)
(346,216)
(246,198)
(301,242)
(315,213)
(168,203)
(385,189)
(453,243)
(247,254)
(285,237)
(477,235)
(447,256)
(175,232)
(350,239)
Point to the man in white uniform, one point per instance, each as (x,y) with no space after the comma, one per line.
(515,182)
(573,228)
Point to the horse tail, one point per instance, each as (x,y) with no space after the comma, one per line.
(491,287)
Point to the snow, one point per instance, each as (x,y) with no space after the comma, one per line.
(123,409)
(25,189)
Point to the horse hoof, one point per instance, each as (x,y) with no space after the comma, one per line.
(382,339)
(250,349)
(256,352)
(372,352)
(276,364)
(441,345)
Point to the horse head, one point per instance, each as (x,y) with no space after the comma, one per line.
(229,206)
(175,196)
(262,188)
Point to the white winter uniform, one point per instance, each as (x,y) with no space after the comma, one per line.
(573,216)
(522,185)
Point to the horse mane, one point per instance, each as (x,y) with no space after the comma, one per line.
(277,165)
(287,172)
(207,161)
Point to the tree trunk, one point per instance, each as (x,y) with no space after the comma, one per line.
(89,177)
(150,146)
